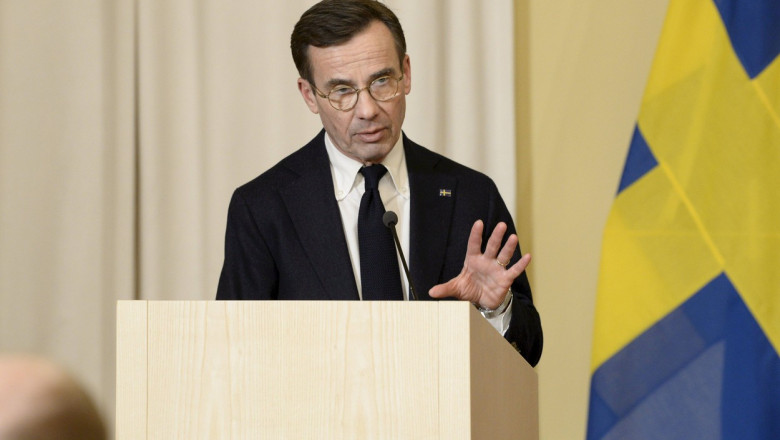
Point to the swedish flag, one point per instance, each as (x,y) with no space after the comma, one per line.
(687,326)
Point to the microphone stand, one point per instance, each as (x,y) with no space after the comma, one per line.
(390,219)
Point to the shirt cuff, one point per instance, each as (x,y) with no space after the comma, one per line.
(500,322)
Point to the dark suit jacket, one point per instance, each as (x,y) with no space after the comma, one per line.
(285,238)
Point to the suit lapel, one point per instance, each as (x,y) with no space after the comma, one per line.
(315,215)
(430,216)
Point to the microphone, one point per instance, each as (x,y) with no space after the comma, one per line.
(390,219)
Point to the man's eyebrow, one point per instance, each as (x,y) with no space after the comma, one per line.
(341,82)
(384,72)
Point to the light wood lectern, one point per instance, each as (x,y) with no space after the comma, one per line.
(318,370)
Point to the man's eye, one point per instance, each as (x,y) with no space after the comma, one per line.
(381,81)
(342,91)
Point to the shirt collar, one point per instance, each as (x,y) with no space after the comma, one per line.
(345,170)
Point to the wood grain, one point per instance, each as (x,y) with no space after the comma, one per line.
(296,370)
(131,374)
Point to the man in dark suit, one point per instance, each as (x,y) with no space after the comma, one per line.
(298,231)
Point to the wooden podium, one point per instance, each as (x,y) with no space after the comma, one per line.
(318,370)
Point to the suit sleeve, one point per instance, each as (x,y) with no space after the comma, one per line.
(249,270)
(525,328)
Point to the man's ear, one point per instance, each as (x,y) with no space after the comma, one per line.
(407,67)
(308,95)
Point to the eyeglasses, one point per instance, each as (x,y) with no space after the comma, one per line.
(344,98)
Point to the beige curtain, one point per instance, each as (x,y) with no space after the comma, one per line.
(66,181)
(125,125)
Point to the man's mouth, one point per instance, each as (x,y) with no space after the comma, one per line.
(371,136)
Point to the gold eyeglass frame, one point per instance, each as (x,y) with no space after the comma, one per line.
(357,92)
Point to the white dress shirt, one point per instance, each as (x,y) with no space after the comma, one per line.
(349,187)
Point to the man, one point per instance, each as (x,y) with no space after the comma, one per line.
(302,229)
(38,400)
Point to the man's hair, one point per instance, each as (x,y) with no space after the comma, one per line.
(333,22)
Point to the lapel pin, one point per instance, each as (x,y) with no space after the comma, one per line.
(445,192)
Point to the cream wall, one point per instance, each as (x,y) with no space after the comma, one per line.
(588,62)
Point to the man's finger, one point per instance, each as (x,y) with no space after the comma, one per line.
(442,290)
(505,256)
(475,239)
(491,249)
(520,266)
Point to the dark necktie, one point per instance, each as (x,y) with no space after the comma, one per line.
(379,272)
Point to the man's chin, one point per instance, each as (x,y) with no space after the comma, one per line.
(373,153)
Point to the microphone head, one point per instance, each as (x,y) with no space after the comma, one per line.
(389,219)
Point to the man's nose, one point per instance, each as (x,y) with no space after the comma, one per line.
(366,106)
